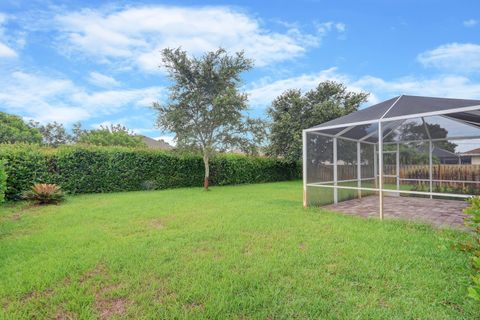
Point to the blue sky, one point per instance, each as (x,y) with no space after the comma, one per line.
(98,64)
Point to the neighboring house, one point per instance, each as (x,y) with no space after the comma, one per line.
(445,156)
(471,157)
(155,144)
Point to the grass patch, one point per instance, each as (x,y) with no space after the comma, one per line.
(236,252)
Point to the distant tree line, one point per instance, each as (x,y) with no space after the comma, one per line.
(13,129)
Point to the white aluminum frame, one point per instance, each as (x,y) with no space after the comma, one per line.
(378,156)
(405,117)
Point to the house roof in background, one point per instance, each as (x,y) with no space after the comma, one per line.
(439,152)
(155,144)
(473,152)
(442,153)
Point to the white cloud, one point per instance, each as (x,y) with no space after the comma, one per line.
(132,124)
(452,86)
(458,57)
(5,50)
(326,27)
(107,123)
(470,23)
(135,35)
(57,99)
(101,80)
(262,93)
(168,139)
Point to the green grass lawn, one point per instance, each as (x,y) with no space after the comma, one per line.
(232,253)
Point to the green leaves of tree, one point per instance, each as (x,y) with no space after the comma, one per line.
(13,129)
(293,111)
(53,134)
(206,110)
(114,135)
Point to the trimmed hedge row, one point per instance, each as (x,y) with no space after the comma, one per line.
(82,169)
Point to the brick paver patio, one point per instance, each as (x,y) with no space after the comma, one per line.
(437,212)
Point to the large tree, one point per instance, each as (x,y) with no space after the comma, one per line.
(293,111)
(113,135)
(412,131)
(206,110)
(53,133)
(77,131)
(13,129)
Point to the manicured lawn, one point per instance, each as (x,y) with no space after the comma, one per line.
(232,253)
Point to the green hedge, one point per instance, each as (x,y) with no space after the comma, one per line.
(3,181)
(81,169)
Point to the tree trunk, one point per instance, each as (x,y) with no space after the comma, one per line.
(207,171)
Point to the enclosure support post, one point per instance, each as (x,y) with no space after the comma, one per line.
(375,167)
(304,175)
(430,167)
(398,167)
(380,169)
(335,175)
(359,168)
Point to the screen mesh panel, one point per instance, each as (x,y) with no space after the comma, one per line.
(319,158)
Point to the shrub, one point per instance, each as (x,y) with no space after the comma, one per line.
(89,169)
(474,247)
(3,181)
(44,193)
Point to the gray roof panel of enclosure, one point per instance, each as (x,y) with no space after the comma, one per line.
(472,117)
(368,114)
(405,106)
(408,105)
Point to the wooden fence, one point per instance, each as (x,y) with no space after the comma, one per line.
(322,173)
(463,172)
(451,178)
(446,177)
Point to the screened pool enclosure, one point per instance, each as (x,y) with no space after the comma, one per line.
(405,146)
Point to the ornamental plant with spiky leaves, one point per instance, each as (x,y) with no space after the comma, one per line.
(44,193)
